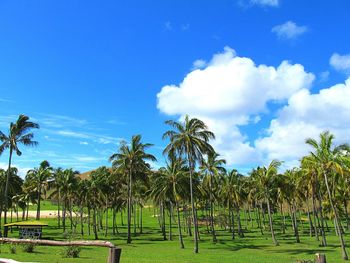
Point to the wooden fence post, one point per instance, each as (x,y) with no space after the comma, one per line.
(114,255)
(320,258)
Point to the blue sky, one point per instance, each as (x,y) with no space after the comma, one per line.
(92,73)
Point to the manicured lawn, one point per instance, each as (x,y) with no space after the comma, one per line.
(149,247)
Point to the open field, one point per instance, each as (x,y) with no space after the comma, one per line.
(149,247)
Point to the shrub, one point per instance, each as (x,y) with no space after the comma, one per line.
(71,252)
(13,248)
(29,248)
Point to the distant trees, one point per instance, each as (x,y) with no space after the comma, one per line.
(192,190)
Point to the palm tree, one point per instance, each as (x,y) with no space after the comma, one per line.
(39,177)
(329,159)
(212,167)
(131,160)
(170,183)
(265,179)
(18,134)
(189,139)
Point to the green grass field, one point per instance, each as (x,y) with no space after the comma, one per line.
(149,247)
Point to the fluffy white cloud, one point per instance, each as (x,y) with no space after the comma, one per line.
(307,115)
(340,62)
(273,3)
(289,30)
(232,91)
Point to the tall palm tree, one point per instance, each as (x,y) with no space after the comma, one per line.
(170,183)
(19,133)
(329,159)
(265,179)
(190,140)
(212,167)
(131,160)
(39,177)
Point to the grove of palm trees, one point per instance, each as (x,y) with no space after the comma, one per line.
(194,209)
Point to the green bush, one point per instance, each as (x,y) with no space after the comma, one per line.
(71,252)
(29,248)
(13,248)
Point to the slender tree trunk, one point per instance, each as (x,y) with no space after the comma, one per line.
(7,186)
(341,239)
(89,220)
(170,221)
(309,217)
(135,212)
(315,215)
(64,215)
(58,208)
(106,230)
(283,226)
(194,214)
(129,207)
(296,232)
(211,209)
(271,223)
(81,220)
(259,221)
(239,225)
(233,222)
(141,219)
(179,225)
(95,223)
(113,221)
(39,200)
(163,220)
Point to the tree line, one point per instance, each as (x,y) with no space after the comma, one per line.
(193,190)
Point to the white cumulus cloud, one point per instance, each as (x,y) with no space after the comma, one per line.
(289,30)
(229,92)
(307,115)
(340,62)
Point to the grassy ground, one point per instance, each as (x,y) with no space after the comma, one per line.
(149,247)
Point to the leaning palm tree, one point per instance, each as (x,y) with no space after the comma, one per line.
(39,177)
(212,167)
(330,160)
(131,160)
(18,134)
(190,140)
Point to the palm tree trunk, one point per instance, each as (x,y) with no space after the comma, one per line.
(170,221)
(129,207)
(58,208)
(39,200)
(239,225)
(141,219)
(194,214)
(95,223)
(179,225)
(81,220)
(211,210)
(296,232)
(271,223)
(341,239)
(106,233)
(7,186)
(316,220)
(309,218)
